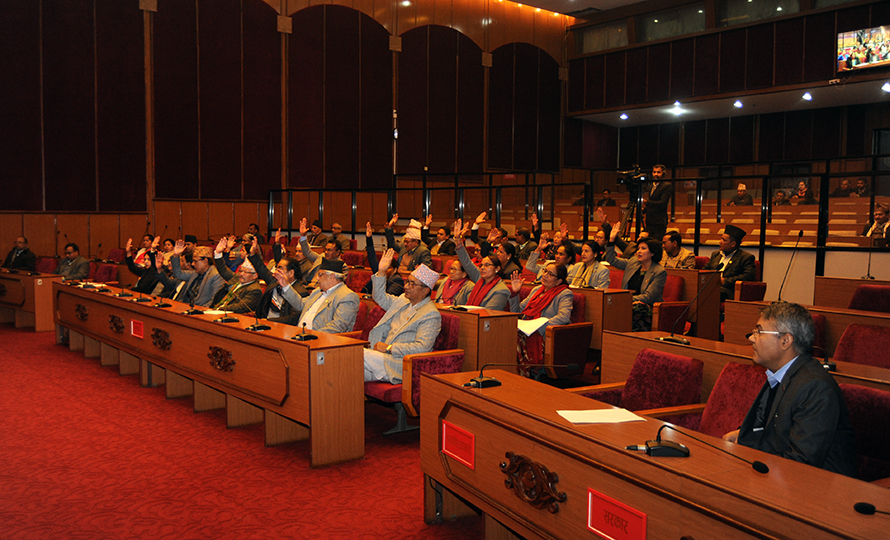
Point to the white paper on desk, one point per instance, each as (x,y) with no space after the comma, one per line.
(217,312)
(600,416)
(532,326)
(468,308)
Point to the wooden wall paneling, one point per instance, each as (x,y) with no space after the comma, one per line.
(470,106)
(342,100)
(771,140)
(707,64)
(628,155)
(573,142)
(20,138)
(669,143)
(550,30)
(12,226)
(614,76)
(800,144)
(497,27)
(261,81)
(306,99)
(717,140)
(413,102)
(789,51)
(732,60)
(442,13)
(741,138)
(853,18)
(219,79)
(827,132)
(76,226)
(759,56)
(600,146)
(382,13)
(820,47)
(246,213)
(175,105)
(468,18)
(575,86)
(221,220)
(677,74)
(520,23)
(595,82)
(658,79)
(134,226)
(695,142)
(637,75)
(501,86)
(280,218)
(857,144)
(370,206)
(104,229)
(167,215)
(880,14)
(648,146)
(69,106)
(341,205)
(305,205)
(442,106)
(195,219)
(549,112)
(41,232)
(526,92)
(376,106)
(120,112)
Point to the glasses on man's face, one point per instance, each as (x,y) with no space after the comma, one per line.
(549,273)
(485,265)
(759,332)
(411,283)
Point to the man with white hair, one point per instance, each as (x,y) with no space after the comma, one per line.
(331,307)
(242,293)
(742,197)
(410,325)
(412,251)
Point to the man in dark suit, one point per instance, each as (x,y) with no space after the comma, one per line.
(800,412)
(242,292)
(272,305)
(607,199)
(735,264)
(20,257)
(73,266)
(657,205)
(442,243)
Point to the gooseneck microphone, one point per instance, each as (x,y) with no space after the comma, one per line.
(190,296)
(681,340)
(758,466)
(303,336)
(793,253)
(488,382)
(868,509)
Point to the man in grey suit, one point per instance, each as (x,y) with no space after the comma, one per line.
(199,285)
(332,307)
(331,252)
(73,266)
(412,252)
(410,325)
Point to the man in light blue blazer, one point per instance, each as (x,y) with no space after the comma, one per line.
(410,325)
(332,307)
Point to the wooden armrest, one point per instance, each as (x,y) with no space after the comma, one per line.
(596,388)
(657,314)
(561,345)
(672,411)
(407,379)
(749,291)
(355,334)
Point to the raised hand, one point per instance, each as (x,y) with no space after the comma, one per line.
(481,218)
(129,248)
(614,233)
(280,277)
(516,281)
(429,219)
(221,245)
(179,247)
(534,222)
(255,247)
(600,214)
(304,227)
(385,262)
(395,217)
(564,229)
(544,243)
(159,262)
(492,235)
(277,235)
(155,243)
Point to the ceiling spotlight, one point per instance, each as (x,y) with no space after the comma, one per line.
(886,87)
(737,104)
(808,97)
(623,116)
(677,110)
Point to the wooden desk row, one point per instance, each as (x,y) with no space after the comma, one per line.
(506,452)
(27,300)
(835,292)
(301,390)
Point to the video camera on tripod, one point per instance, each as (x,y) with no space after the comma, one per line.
(633,178)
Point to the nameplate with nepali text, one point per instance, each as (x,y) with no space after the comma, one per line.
(612,519)
(459,444)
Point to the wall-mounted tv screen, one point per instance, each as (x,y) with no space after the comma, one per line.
(863,49)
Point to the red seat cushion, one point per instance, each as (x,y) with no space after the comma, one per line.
(871,298)
(864,344)
(673,289)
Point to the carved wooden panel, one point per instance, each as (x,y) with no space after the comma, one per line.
(532,482)
(161,339)
(80,311)
(221,359)
(116,324)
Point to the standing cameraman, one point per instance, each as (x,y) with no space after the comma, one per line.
(656,207)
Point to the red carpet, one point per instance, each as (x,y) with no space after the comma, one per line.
(89,454)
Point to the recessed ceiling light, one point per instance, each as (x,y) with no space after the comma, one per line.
(886,87)
(737,104)
(807,96)
(623,116)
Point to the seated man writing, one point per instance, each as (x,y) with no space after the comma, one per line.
(410,325)
(800,413)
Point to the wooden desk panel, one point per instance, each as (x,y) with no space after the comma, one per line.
(27,300)
(709,495)
(316,383)
(741,318)
(486,336)
(607,309)
(837,292)
(705,313)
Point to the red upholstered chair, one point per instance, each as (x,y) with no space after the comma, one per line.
(356,279)
(673,289)
(117,255)
(437,264)
(353,244)
(736,389)
(700,262)
(665,314)
(864,344)
(106,273)
(47,265)
(819,339)
(295,240)
(528,275)
(870,415)
(566,344)
(750,291)
(370,321)
(579,305)
(94,267)
(657,379)
(871,298)
(354,258)
(361,316)
(615,277)
(405,397)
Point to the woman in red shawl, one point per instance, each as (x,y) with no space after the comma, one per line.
(455,290)
(552,300)
(490,291)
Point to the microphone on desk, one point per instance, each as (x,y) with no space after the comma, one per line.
(256,326)
(488,382)
(190,296)
(142,298)
(98,253)
(868,272)
(868,509)
(226,319)
(665,448)
(304,336)
(681,340)
(793,253)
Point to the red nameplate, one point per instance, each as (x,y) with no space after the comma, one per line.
(459,444)
(612,519)
(136,329)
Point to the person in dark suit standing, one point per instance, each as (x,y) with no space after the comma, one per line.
(800,413)
(442,243)
(735,264)
(20,257)
(657,205)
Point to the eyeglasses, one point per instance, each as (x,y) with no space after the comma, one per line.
(69,253)
(758,332)
(485,264)
(549,273)
(411,283)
